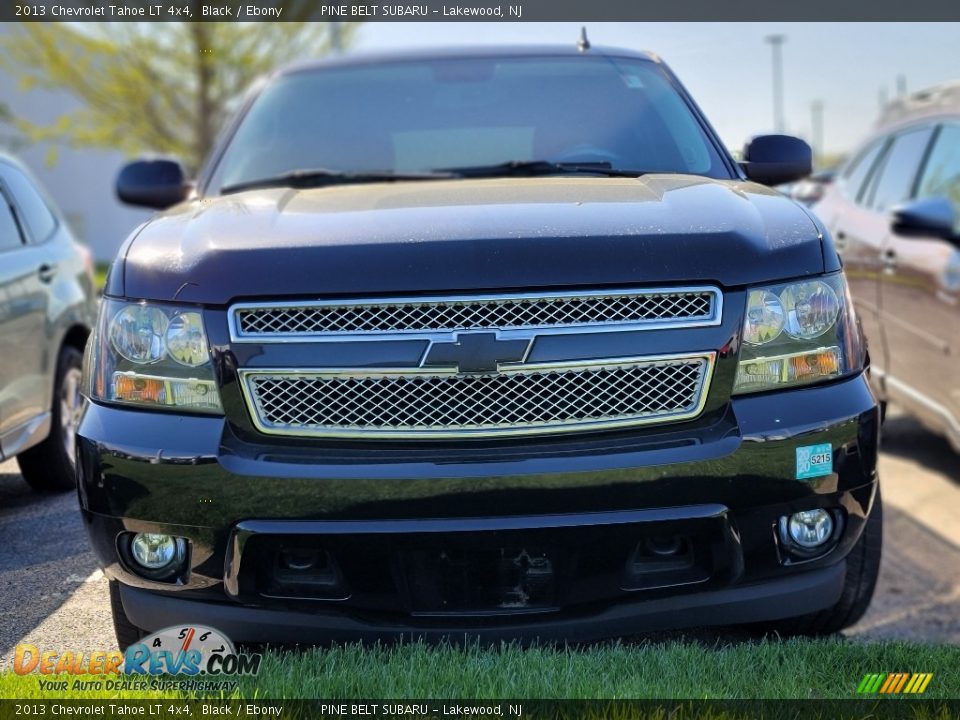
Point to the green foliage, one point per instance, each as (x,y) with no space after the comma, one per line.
(100,275)
(10,139)
(160,87)
(716,667)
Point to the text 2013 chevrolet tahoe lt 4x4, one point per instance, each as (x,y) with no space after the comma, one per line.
(497,343)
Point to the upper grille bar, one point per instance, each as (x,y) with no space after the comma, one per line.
(556,312)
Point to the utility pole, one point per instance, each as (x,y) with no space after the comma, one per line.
(816,129)
(901,86)
(776,45)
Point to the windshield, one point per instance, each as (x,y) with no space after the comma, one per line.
(435,115)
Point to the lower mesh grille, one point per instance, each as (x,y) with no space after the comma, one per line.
(530,399)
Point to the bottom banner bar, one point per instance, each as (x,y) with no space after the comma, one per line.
(874,709)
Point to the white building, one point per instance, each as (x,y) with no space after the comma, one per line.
(80,181)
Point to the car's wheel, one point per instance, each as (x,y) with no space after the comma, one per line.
(50,466)
(127,633)
(863,568)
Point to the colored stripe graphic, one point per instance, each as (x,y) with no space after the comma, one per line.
(870,683)
(888,681)
(899,682)
(894,683)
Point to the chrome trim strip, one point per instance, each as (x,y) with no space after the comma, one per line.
(237,336)
(709,358)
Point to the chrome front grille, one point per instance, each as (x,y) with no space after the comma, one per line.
(436,404)
(259,322)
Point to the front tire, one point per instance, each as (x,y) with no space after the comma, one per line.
(127,633)
(863,568)
(50,466)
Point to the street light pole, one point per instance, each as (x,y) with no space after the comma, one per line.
(776,44)
(816,128)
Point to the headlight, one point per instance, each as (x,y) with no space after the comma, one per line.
(811,309)
(151,355)
(186,340)
(764,320)
(136,332)
(798,333)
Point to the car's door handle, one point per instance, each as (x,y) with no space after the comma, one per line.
(46,272)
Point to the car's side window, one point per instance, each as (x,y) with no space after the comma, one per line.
(34,211)
(896,177)
(10,237)
(860,170)
(941,175)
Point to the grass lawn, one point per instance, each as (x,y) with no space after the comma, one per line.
(791,669)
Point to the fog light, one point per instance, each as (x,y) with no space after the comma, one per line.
(810,528)
(155,551)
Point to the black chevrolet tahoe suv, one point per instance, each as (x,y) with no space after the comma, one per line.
(490,343)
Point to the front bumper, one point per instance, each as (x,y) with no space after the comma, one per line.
(785,597)
(400,521)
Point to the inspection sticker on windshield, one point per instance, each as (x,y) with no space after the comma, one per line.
(814,461)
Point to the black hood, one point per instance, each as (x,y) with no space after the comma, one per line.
(466,235)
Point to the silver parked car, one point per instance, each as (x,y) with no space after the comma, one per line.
(895,217)
(47,306)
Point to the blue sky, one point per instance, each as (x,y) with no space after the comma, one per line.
(727,67)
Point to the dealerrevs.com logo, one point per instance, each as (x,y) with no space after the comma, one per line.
(197,657)
(188,651)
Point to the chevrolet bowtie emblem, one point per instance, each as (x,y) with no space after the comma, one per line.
(476,352)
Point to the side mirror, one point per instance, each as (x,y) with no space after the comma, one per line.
(932,217)
(776,159)
(157,183)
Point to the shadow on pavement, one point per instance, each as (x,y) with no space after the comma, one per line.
(44,556)
(906,438)
(918,595)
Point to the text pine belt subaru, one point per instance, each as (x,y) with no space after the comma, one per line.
(490,343)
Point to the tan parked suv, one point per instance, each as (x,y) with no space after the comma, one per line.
(895,216)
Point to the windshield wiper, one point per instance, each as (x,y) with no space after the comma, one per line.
(533,168)
(321,177)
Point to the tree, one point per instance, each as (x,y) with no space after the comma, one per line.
(10,139)
(161,87)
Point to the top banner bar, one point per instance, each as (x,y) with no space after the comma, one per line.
(473,11)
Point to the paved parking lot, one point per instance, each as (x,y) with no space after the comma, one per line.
(53,595)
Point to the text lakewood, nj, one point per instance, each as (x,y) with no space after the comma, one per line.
(385,11)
